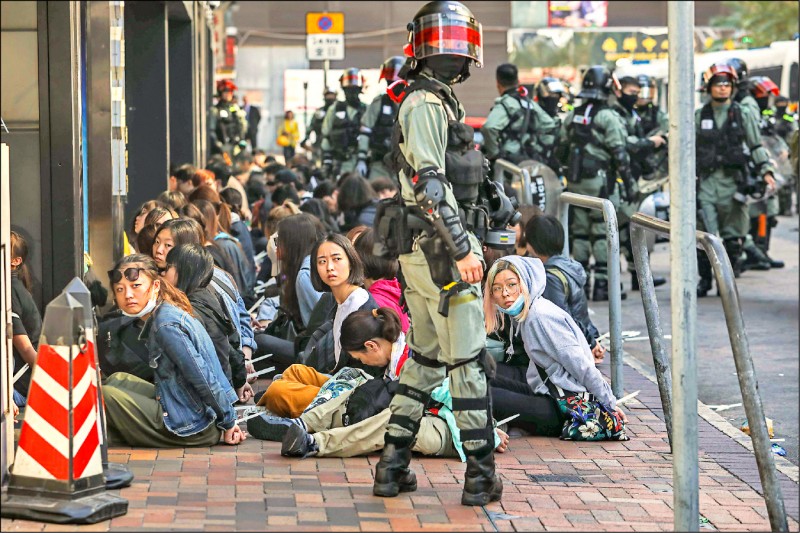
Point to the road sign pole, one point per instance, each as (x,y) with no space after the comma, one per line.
(325,67)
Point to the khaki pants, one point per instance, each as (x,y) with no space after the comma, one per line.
(296,389)
(449,340)
(135,417)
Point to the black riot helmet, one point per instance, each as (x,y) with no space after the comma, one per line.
(648,87)
(390,69)
(442,32)
(351,78)
(742,72)
(597,83)
(549,92)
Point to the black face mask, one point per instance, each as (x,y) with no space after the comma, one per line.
(352,97)
(780,110)
(447,67)
(550,105)
(628,100)
(329,102)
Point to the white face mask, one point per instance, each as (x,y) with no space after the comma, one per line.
(147,309)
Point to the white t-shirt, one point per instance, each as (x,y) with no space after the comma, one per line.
(354,302)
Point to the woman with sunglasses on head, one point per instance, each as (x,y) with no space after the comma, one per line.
(191,401)
(188,231)
(548,375)
(190,268)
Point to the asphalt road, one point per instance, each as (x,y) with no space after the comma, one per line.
(769,301)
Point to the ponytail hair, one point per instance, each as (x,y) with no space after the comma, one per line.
(361,326)
(19,248)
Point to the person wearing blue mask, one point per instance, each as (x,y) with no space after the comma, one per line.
(549,377)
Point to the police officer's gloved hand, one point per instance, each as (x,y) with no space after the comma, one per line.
(361,166)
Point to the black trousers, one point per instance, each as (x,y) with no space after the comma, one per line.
(283,354)
(511,395)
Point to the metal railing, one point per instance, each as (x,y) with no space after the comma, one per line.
(522,174)
(614,288)
(723,273)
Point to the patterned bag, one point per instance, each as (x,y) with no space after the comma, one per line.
(588,419)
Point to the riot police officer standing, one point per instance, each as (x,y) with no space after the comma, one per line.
(549,93)
(742,94)
(597,153)
(517,128)
(341,126)
(227,122)
(444,41)
(640,148)
(315,126)
(725,134)
(375,136)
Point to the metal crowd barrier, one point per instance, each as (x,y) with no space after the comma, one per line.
(614,288)
(521,174)
(723,273)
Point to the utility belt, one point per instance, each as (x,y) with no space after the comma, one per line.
(581,164)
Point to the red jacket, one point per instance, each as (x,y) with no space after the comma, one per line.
(387,293)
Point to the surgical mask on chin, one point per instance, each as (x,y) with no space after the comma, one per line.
(515,309)
(147,308)
(628,101)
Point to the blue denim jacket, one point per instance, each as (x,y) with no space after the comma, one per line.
(237,312)
(190,384)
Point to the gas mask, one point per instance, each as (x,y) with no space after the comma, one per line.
(449,68)
(351,96)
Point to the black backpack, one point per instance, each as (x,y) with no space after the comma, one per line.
(369,399)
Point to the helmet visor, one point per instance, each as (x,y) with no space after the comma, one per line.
(351,79)
(451,33)
(647,93)
(553,88)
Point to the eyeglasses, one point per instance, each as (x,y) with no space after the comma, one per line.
(131,274)
(512,288)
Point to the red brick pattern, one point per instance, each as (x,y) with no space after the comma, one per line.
(627,486)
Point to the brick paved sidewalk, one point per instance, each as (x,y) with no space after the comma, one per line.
(549,485)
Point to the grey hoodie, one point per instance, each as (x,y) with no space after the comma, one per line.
(575,303)
(555,342)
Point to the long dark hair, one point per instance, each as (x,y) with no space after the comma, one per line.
(355,193)
(374,267)
(183,231)
(194,266)
(223,212)
(361,326)
(19,248)
(356,276)
(233,199)
(296,237)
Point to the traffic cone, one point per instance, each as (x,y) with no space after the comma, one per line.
(57,475)
(116,475)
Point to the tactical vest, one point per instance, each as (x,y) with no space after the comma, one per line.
(720,147)
(649,116)
(343,136)
(316,124)
(581,132)
(229,130)
(464,167)
(380,140)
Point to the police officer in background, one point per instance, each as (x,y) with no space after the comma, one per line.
(640,148)
(549,95)
(596,142)
(341,126)
(725,134)
(654,121)
(742,94)
(227,122)
(444,41)
(375,136)
(785,123)
(315,126)
(517,128)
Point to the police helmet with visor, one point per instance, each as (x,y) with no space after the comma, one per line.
(648,87)
(390,69)
(718,72)
(445,28)
(351,78)
(597,83)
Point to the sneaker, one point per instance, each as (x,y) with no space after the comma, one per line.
(297,442)
(270,427)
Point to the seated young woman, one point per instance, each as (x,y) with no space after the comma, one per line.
(380,275)
(188,231)
(338,272)
(297,295)
(559,391)
(190,268)
(191,401)
(350,424)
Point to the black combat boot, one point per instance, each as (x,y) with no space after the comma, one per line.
(481,484)
(733,247)
(774,263)
(704,272)
(657,281)
(392,475)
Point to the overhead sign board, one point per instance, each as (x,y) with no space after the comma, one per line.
(325,36)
